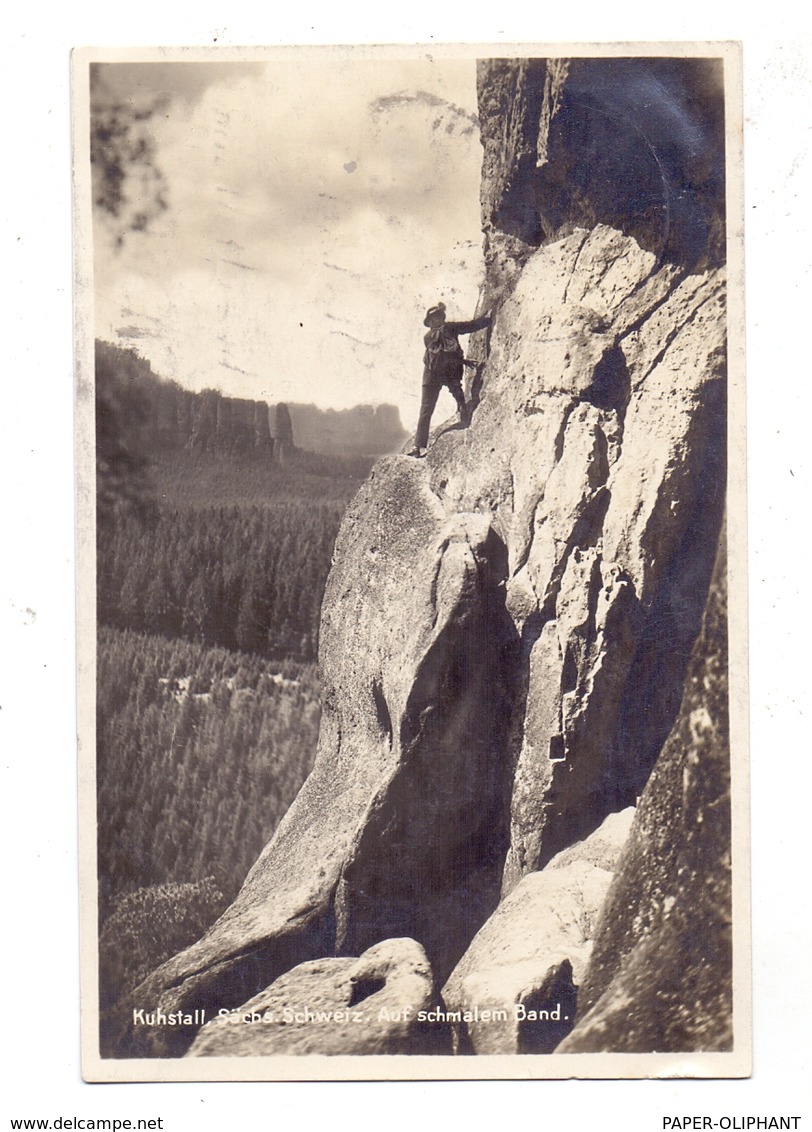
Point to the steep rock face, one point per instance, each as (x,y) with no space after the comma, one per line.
(507,625)
(637,144)
(368,1005)
(659,979)
(598,450)
(510,94)
(526,961)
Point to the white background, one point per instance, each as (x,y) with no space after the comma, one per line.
(37,723)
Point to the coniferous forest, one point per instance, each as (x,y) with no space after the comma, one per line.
(212,558)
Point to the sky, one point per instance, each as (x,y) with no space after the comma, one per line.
(315,209)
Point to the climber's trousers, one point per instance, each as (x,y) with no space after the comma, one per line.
(427,404)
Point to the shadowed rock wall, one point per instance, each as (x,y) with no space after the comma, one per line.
(659,978)
(634,143)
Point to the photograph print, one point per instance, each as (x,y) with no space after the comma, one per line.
(412,662)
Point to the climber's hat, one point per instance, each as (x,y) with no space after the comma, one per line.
(432,313)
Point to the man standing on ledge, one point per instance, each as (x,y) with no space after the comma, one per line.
(443,364)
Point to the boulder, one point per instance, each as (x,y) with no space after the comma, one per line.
(369,1005)
(516,983)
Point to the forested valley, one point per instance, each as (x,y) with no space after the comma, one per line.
(211,565)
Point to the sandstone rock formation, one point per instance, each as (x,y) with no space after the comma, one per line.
(167,419)
(507,624)
(526,961)
(282,429)
(659,979)
(369,1005)
(637,144)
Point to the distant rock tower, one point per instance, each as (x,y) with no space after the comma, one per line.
(261,427)
(282,429)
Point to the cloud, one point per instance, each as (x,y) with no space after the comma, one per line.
(255,166)
(237,369)
(165,81)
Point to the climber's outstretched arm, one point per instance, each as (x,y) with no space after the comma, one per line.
(469,327)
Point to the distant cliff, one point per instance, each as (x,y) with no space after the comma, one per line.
(174,419)
(507,627)
(368,430)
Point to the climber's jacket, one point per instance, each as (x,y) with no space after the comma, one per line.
(443,360)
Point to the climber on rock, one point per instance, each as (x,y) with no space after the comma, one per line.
(443,364)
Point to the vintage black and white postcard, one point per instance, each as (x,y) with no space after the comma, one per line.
(412,589)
